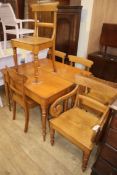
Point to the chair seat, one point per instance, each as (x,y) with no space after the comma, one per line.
(34,40)
(76,124)
(21,31)
(105,99)
(29,101)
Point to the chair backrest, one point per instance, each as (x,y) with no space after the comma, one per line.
(59,54)
(97,86)
(85,62)
(16,82)
(7,15)
(45,7)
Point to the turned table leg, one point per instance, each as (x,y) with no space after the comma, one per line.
(44,118)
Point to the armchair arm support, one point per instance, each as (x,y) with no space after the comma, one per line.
(100,126)
(57,107)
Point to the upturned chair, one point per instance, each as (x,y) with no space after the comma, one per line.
(82,127)
(17,93)
(59,54)
(8,19)
(37,43)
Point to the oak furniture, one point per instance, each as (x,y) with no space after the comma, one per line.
(100,91)
(9,19)
(36,43)
(106,162)
(17,93)
(82,61)
(68,24)
(81,127)
(105,63)
(52,85)
(58,55)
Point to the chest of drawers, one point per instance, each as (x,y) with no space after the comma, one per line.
(106,163)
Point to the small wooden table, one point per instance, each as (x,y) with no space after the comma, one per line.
(52,85)
(46,91)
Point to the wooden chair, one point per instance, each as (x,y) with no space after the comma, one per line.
(81,127)
(8,18)
(37,43)
(7,90)
(85,62)
(102,93)
(98,90)
(58,53)
(17,93)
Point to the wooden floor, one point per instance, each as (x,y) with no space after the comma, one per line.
(27,154)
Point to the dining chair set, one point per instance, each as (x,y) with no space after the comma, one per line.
(81,114)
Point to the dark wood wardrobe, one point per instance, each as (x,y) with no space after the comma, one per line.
(68,24)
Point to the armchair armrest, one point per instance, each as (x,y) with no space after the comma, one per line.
(100,126)
(27,20)
(61,104)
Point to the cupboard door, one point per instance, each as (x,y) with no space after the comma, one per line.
(68,24)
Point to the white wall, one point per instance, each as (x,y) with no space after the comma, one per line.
(85,27)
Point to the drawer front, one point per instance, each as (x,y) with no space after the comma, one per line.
(109,154)
(112,138)
(101,167)
(114,122)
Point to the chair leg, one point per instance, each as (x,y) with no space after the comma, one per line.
(26,119)
(52,132)
(53,57)
(7,95)
(14,110)
(86,155)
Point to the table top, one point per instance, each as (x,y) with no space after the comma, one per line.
(48,84)
(65,71)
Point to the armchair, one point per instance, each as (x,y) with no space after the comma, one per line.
(8,19)
(80,126)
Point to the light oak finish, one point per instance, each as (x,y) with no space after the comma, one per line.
(85,62)
(52,85)
(36,43)
(79,126)
(59,54)
(44,93)
(17,92)
(99,91)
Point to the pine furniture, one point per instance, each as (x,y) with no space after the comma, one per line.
(37,43)
(17,93)
(80,126)
(68,24)
(52,85)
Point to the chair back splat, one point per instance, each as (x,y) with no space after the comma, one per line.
(85,62)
